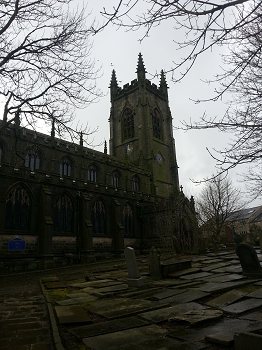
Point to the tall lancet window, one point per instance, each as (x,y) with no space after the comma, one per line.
(128,124)
(63,214)
(156,122)
(32,158)
(98,217)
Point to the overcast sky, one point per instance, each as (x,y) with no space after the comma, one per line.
(118,49)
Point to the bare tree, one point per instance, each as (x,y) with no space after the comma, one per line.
(205,23)
(45,66)
(242,78)
(217,201)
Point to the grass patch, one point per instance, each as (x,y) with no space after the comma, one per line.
(57,294)
(87,304)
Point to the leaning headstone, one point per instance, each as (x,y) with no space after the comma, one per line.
(247,340)
(249,260)
(154,264)
(134,278)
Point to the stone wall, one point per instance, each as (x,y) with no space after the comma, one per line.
(31,245)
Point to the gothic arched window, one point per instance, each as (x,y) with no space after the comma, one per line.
(98,217)
(115,176)
(92,173)
(135,183)
(127,220)
(128,124)
(32,158)
(17,209)
(63,214)
(65,167)
(156,122)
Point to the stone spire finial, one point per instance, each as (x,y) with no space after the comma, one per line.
(163,84)
(113,85)
(141,71)
(113,81)
(81,139)
(105,148)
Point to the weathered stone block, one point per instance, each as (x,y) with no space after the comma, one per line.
(171,266)
(246,340)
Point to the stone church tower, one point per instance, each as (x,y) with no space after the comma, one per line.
(141,129)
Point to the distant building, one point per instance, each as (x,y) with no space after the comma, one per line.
(64,199)
(244,224)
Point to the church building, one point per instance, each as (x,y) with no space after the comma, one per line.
(61,199)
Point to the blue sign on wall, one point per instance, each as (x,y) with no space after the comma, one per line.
(16,244)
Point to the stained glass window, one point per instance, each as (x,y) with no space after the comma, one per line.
(128,124)
(127,220)
(98,217)
(17,209)
(63,214)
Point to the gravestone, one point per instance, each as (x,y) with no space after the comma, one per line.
(154,264)
(134,278)
(249,260)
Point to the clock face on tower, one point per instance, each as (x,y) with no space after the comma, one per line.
(129,148)
(159,158)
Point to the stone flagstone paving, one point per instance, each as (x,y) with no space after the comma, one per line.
(243,306)
(71,314)
(190,310)
(226,299)
(108,327)
(112,341)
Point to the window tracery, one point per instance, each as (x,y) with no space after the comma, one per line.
(63,214)
(17,209)
(127,220)
(98,217)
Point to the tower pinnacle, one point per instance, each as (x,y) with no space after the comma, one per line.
(141,71)
(163,85)
(113,81)
(113,85)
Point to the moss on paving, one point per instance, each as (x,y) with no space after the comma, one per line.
(58,294)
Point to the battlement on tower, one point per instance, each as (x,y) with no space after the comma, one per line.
(127,88)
